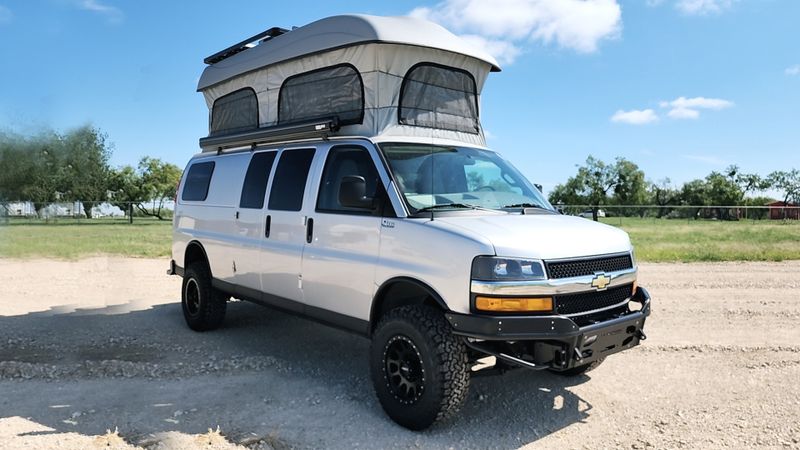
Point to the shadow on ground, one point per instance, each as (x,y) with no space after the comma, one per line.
(264,375)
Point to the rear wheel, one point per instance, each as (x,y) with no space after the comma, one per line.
(580,370)
(203,306)
(420,370)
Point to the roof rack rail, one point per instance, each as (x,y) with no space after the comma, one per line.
(319,128)
(244,45)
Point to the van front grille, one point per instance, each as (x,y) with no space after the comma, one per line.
(587,266)
(589,301)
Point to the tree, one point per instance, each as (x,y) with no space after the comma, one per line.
(598,183)
(148,187)
(663,193)
(787,182)
(86,173)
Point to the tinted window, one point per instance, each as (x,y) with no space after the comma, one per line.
(197,180)
(256,179)
(342,162)
(290,180)
(323,93)
(237,111)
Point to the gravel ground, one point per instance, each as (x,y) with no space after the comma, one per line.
(95,353)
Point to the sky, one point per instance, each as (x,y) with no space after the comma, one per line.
(680,87)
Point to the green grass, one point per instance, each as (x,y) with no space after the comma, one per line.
(656,240)
(67,239)
(673,240)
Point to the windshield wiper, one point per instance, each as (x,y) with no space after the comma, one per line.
(524,205)
(453,205)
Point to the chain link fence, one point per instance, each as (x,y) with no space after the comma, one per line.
(617,213)
(12,212)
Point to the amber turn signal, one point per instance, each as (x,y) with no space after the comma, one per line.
(539,304)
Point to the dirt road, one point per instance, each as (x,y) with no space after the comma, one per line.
(100,344)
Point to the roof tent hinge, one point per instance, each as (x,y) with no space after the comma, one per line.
(320,128)
(245,44)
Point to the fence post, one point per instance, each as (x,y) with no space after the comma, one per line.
(130,213)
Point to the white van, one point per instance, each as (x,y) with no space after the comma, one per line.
(361,194)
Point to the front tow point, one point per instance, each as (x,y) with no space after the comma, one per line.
(578,355)
(640,334)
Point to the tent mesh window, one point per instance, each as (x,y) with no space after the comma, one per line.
(235,112)
(435,96)
(335,91)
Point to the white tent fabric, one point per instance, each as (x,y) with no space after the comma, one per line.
(382,66)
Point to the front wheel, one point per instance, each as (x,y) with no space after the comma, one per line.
(420,370)
(203,306)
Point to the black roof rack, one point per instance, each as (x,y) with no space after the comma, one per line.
(244,45)
(319,128)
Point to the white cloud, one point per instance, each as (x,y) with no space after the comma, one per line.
(635,117)
(707,159)
(697,7)
(6,16)
(505,52)
(504,25)
(793,71)
(112,13)
(689,108)
(703,7)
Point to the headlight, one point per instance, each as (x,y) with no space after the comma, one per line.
(490,268)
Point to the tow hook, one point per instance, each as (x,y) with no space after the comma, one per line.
(578,355)
(640,334)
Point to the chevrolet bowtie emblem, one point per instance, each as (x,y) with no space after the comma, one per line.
(600,281)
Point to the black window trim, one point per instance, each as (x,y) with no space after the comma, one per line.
(335,66)
(222,133)
(208,185)
(439,66)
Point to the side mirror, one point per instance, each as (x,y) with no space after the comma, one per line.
(353,193)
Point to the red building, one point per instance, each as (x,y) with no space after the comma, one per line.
(784,210)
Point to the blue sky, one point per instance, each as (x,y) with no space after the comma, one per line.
(680,87)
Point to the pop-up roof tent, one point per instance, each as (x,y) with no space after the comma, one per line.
(346,75)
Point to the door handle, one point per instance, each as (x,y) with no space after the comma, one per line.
(267,226)
(309,230)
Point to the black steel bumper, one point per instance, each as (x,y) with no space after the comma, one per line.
(554,342)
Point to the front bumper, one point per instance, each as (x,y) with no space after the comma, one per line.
(554,342)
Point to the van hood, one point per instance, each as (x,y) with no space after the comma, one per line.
(542,236)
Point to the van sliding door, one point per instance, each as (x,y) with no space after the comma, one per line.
(285,228)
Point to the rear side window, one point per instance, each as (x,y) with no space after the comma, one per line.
(197,180)
(256,179)
(289,184)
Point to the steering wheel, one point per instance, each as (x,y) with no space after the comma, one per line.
(486,188)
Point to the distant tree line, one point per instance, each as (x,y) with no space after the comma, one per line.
(623,183)
(74,167)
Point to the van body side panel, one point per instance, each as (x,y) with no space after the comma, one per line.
(211,222)
(432,253)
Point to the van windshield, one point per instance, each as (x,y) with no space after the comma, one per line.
(439,177)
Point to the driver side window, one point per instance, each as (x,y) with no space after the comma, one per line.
(343,162)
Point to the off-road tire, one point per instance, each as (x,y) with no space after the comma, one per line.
(443,366)
(203,306)
(580,370)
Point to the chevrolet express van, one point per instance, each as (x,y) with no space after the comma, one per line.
(346,179)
